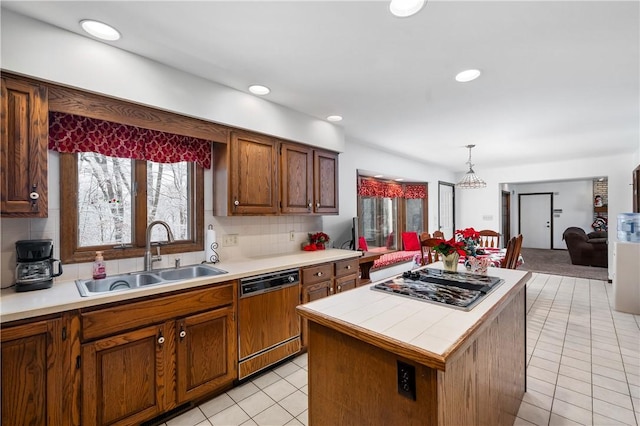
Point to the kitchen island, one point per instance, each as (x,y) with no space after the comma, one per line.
(380,358)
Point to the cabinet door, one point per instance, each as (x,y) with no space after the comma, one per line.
(24,130)
(206,353)
(296,179)
(124,378)
(346,283)
(32,379)
(253,168)
(325,168)
(310,293)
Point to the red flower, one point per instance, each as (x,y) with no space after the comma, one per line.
(450,246)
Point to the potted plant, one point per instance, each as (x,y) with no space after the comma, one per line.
(319,239)
(451,250)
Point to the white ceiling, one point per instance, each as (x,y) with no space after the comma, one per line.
(560,79)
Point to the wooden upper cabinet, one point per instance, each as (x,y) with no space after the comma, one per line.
(296,178)
(325,169)
(309,180)
(24,130)
(253,174)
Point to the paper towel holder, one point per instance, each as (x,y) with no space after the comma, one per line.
(211,245)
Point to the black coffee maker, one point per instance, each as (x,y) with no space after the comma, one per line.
(34,268)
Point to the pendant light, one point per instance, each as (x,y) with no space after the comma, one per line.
(470,180)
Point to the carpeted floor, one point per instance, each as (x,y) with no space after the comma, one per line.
(557,262)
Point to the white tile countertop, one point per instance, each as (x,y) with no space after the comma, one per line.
(64,296)
(426,332)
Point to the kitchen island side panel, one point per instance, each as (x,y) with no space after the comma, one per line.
(486,383)
(355,383)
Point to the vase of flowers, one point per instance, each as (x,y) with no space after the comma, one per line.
(319,240)
(450,250)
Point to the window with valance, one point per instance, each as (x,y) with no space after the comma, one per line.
(388,208)
(119,178)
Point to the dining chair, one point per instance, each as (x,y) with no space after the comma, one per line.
(508,256)
(438,234)
(489,238)
(512,254)
(426,247)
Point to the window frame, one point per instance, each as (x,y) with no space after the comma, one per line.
(69,250)
(400,209)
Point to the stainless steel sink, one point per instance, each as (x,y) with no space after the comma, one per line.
(117,283)
(188,272)
(133,280)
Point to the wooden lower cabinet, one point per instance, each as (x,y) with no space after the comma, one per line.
(125,377)
(204,361)
(137,374)
(346,283)
(32,379)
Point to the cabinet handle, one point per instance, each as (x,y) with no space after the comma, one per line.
(348,266)
(319,274)
(236,203)
(330,290)
(160,338)
(317,204)
(183,334)
(339,288)
(309,205)
(33,195)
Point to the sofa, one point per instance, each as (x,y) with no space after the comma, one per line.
(587,249)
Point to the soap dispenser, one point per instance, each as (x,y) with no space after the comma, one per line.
(99,267)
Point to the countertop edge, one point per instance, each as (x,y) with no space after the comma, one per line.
(406,349)
(67,290)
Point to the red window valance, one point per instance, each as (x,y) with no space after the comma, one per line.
(376,188)
(415,191)
(380,189)
(74,133)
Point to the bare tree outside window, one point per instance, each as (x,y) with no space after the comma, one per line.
(168,199)
(104,200)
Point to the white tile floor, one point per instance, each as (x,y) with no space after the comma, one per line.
(583,367)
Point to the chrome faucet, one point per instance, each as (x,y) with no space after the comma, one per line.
(148,258)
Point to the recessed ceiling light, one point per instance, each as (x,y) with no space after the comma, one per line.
(467,75)
(100,30)
(256,89)
(404,8)
(334,118)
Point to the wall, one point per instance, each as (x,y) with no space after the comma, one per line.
(575,198)
(358,156)
(84,63)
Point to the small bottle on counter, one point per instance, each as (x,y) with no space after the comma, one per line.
(99,267)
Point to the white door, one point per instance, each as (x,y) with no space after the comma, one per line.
(446,221)
(535,220)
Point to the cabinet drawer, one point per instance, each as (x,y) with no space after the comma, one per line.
(136,314)
(347,267)
(314,274)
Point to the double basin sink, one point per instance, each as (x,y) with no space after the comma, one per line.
(143,279)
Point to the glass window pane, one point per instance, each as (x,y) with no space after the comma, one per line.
(104,200)
(415,215)
(379,222)
(168,199)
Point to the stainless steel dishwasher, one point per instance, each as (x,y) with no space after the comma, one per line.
(268,325)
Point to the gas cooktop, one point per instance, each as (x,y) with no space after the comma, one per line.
(456,289)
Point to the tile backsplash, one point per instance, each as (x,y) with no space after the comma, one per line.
(257,236)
